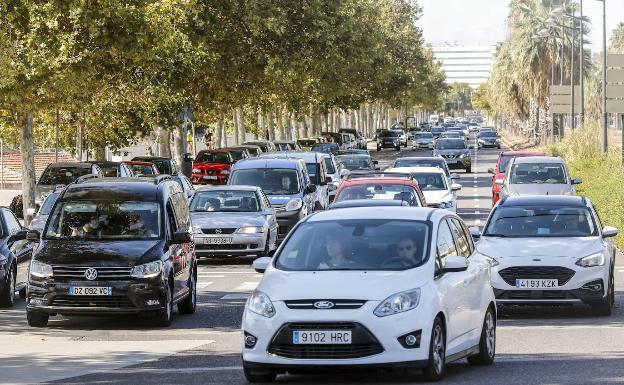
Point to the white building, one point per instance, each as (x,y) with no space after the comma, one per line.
(465,64)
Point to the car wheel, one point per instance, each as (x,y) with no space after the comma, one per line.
(378,148)
(434,371)
(469,169)
(487,343)
(605,307)
(36,319)
(7,293)
(398,148)
(164,316)
(23,292)
(254,377)
(189,304)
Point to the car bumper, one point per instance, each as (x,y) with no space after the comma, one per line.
(458,162)
(202,179)
(242,244)
(489,145)
(388,145)
(385,331)
(423,145)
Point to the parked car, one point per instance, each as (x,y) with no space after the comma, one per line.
(488,139)
(455,152)
(422,140)
(498,172)
(232,221)
(380,187)
(537,175)
(265,145)
(285,182)
(306,144)
(140,168)
(164,165)
(343,140)
(357,162)
(388,139)
(212,167)
(252,149)
(434,185)
(15,253)
(375,287)
(39,220)
(107,249)
(286,145)
(549,250)
(360,139)
(327,148)
(115,169)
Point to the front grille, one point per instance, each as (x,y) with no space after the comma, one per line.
(449,156)
(279,208)
(107,273)
(536,294)
(221,231)
(562,274)
(114,301)
(339,304)
(363,344)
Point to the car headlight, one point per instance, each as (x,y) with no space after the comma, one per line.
(40,269)
(445,205)
(492,261)
(294,204)
(249,230)
(196,171)
(398,303)
(147,270)
(462,156)
(261,304)
(224,172)
(597,259)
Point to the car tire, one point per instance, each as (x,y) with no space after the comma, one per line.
(189,304)
(7,292)
(398,148)
(605,307)
(469,169)
(378,148)
(164,316)
(254,377)
(436,365)
(23,292)
(487,343)
(37,319)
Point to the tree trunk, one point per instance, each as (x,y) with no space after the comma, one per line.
(164,142)
(280,125)
(99,153)
(27,150)
(79,141)
(241,125)
(271,120)
(179,144)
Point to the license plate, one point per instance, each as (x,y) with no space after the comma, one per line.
(304,337)
(537,283)
(210,177)
(451,160)
(218,241)
(90,290)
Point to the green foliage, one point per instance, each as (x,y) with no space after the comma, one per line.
(458,98)
(480,99)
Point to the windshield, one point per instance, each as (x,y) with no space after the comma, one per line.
(142,169)
(431,181)
(273,181)
(225,201)
(110,171)
(388,134)
(450,145)
(162,166)
(325,148)
(355,162)
(48,203)
(306,142)
(237,155)
(329,165)
(487,134)
(105,220)
(212,157)
(378,191)
(63,175)
(313,172)
(541,222)
(365,244)
(451,134)
(423,135)
(528,173)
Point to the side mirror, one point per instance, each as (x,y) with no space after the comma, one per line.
(609,231)
(475,231)
(499,181)
(456,187)
(454,263)
(181,237)
(491,170)
(310,188)
(577,181)
(33,236)
(19,236)
(260,265)
(455,176)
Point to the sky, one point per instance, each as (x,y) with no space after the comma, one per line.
(482,22)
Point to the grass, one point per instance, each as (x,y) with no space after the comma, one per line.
(603,175)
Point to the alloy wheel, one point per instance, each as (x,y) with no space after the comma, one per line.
(438,349)
(490,330)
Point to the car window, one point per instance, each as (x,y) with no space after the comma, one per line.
(171,219)
(329,164)
(377,191)
(537,173)
(225,201)
(461,240)
(48,203)
(12,224)
(533,221)
(62,175)
(213,157)
(273,181)
(181,211)
(445,245)
(313,172)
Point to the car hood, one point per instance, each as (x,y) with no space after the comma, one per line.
(551,248)
(450,152)
(436,196)
(281,199)
(540,189)
(289,285)
(102,253)
(210,220)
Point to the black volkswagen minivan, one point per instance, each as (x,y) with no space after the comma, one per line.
(114,246)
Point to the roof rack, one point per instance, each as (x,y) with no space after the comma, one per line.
(377,174)
(161,178)
(83,178)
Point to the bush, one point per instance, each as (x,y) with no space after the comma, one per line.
(603,175)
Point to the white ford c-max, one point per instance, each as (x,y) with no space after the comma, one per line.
(371,287)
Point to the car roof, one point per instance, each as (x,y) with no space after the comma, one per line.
(140,189)
(219,150)
(377,212)
(72,164)
(227,188)
(353,155)
(436,158)
(284,141)
(107,163)
(267,162)
(367,203)
(307,156)
(545,200)
(379,180)
(538,159)
(513,153)
(150,158)
(417,170)
(139,162)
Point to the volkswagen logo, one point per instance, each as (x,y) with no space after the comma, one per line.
(324,304)
(218,231)
(91,274)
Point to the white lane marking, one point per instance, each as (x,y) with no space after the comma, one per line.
(478,221)
(476,200)
(204,284)
(177,370)
(226,272)
(247,286)
(236,296)
(210,276)
(538,357)
(258,276)
(620,271)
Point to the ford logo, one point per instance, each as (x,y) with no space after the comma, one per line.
(324,304)
(91,274)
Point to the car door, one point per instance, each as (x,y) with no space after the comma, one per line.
(454,296)
(309,199)
(270,218)
(21,250)
(183,256)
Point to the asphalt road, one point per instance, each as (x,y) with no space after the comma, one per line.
(534,346)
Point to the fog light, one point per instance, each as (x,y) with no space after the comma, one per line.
(250,340)
(411,340)
(152,302)
(593,286)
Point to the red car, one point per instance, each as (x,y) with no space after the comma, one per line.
(400,188)
(142,168)
(501,166)
(212,167)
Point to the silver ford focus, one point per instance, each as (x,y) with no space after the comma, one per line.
(231,221)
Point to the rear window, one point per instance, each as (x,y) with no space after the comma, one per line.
(538,173)
(63,175)
(378,191)
(541,222)
(212,157)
